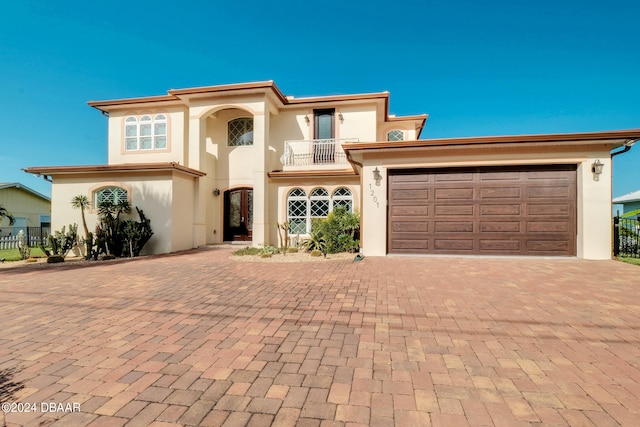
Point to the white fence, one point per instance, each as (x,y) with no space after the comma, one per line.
(11,242)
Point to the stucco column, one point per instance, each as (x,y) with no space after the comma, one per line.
(260,184)
(196,151)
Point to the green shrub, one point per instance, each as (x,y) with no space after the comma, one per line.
(292,250)
(316,252)
(338,232)
(265,255)
(248,251)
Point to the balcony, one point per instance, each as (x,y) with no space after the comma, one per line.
(315,154)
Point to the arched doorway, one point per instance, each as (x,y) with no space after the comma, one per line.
(238,215)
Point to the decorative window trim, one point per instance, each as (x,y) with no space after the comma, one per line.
(93,192)
(318,196)
(146,132)
(398,135)
(240,132)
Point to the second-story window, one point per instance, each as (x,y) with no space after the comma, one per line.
(395,135)
(240,132)
(148,132)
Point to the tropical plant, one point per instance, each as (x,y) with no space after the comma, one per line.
(135,234)
(5,214)
(82,202)
(339,232)
(61,242)
(108,231)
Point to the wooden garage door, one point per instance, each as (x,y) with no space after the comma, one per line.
(529,210)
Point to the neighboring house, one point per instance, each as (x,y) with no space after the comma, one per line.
(28,207)
(630,202)
(226,163)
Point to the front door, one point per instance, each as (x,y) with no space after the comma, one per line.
(238,215)
(323,134)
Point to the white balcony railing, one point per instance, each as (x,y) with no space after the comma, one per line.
(315,152)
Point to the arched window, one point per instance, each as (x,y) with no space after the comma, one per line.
(395,135)
(319,203)
(114,195)
(240,132)
(297,211)
(342,197)
(146,133)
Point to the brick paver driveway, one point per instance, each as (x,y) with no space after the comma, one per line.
(198,339)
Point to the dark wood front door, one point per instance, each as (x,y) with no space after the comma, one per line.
(238,214)
(324,134)
(524,210)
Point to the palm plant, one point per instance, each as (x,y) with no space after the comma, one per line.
(5,214)
(81,202)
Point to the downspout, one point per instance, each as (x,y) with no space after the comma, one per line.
(627,146)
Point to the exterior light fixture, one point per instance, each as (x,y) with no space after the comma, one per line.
(306,119)
(216,192)
(377,177)
(596,168)
(340,117)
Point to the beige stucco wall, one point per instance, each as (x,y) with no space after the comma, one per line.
(23,204)
(165,199)
(593,197)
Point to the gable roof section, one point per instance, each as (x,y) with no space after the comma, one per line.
(615,138)
(182,96)
(23,187)
(137,167)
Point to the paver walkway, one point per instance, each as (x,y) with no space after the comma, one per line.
(198,339)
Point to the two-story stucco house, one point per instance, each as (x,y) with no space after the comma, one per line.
(226,163)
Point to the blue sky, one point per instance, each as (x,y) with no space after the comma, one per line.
(477,68)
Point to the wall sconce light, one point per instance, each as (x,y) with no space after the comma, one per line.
(306,119)
(596,168)
(377,177)
(340,117)
(216,192)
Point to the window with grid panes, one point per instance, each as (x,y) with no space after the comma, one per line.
(395,135)
(319,203)
(240,132)
(297,211)
(342,197)
(114,195)
(147,133)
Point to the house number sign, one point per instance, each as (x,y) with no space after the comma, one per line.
(372,194)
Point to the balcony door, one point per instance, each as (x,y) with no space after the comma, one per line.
(323,134)
(238,215)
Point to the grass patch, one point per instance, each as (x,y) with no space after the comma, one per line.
(248,251)
(14,254)
(629,260)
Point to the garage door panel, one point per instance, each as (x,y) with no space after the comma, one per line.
(400,244)
(526,210)
(410,226)
(500,226)
(453,245)
(454,177)
(547,227)
(453,210)
(548,192)
(410,194)
(500,176)
(500,193)
(409,210)
(453,227)
(547,210)
(494,246)
(547,246)
(453,193)
(500,209)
